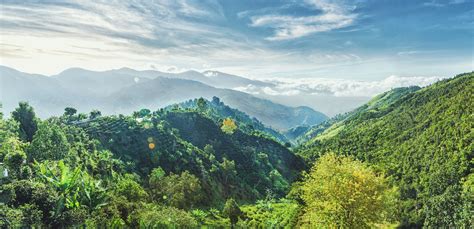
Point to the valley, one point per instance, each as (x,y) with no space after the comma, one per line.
(204,163)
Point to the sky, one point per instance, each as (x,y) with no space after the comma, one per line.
(369,40)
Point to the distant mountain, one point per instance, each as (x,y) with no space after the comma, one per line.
(211,78)
(422,139)
(47,94)
(81,81)
(166,91)
(126,90)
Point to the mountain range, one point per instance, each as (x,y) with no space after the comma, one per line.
(126,90)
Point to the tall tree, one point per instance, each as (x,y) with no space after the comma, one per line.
(228,126)
(232,210)
(340,192)
(26,117)
(49,143)
(70,111)
(95,114)
(202,104)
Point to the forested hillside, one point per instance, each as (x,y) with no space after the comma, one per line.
(423,141)
(305,134)
(403,160)
(218,111)
(107,171)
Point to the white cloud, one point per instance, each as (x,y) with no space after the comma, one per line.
(437,3)
(334,15)
(336,87)
(46,38)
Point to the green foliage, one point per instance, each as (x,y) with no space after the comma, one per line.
(181,191)
(340,192)
(464,213)
(15,156)
(25,116)
(228,126)
(236,161)
(422,140)
(95,114)
(202,104)
(232,211)
(37,197)
(129,188)
(49,143)
(172,168)
(271,214)
(154,216)
(69,111)
(218,111)
(11,217)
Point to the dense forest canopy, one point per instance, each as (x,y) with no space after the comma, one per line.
(405,159)
(423,141)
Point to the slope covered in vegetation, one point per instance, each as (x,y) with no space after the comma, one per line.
(422,140)
(218,111)
(405,159)
(378,103)
(106,171)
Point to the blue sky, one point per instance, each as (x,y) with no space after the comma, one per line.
(360,39)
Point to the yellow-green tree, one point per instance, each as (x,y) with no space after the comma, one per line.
(228,126)
(340,192)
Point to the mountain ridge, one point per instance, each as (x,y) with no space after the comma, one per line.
(110,90)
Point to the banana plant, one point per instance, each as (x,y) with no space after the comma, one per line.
(94,196)
(65,181)
(75,187)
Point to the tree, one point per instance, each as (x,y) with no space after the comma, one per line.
(14,155)
(181,191)
(26,117)
(232,211)
(340,192)
(202,104)
(144,112)
(69,111)
(49,143)
(81,116)
(228,126)
(95,114)
(130,189)
(155,177)
(216,100)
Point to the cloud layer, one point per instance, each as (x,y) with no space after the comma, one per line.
(335,87)
(303,38)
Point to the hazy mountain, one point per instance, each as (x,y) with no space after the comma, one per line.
(166,91)
(125,90)
(211,78)
(82,81)
(47,94)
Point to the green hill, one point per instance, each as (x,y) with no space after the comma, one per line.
(186,140)
(404,159)
(421,138)
(132,170)
(218,111)
(378,103)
